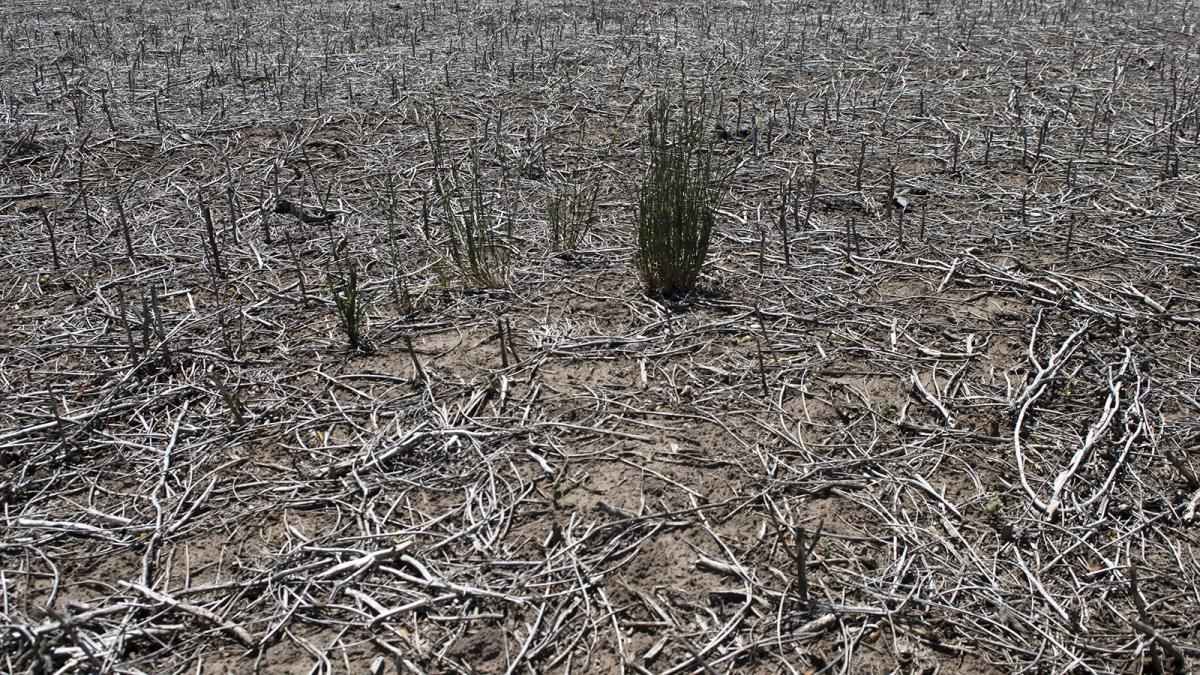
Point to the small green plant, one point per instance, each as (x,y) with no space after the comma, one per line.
(677,201)
(571,212)
(233,402)
(478,244)
(402,297)
(351,301)
(444,279)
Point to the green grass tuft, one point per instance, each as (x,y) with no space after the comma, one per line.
(479,245)
(571,212)
(351,301)
(677,201)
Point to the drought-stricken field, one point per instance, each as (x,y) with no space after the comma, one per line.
(932,409)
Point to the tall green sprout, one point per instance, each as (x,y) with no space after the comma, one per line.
(571,212)
(478,246)
(677,201)
(351,302)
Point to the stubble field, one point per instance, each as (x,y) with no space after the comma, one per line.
(932,409)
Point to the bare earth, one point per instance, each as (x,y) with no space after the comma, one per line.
(955,432)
